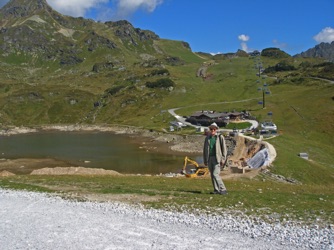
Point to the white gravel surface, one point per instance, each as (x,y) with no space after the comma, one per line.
(39,221)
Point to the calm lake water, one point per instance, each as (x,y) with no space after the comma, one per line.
(100,149)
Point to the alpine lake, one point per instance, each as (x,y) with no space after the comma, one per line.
(92,150)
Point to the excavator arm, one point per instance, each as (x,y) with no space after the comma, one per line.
(192,169)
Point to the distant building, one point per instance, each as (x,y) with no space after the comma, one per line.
(205,118)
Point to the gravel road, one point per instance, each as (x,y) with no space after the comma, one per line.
(39,221)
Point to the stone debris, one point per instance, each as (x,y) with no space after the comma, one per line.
(42,221)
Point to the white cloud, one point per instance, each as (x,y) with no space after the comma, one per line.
(104,9)
(243,38)
(244,46)
(126,8)
(75,7)
(326,35)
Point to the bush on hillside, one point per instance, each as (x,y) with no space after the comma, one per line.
(329,68)
(324,64)
(97,67)
(161,83)
(114,90)
(174,61)
(305,65)
(158,72)
(281,66)
(328,72)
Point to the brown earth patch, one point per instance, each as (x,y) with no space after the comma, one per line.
(6,173)
(26,166)
(73,171)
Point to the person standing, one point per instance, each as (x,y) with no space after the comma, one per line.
(215,156)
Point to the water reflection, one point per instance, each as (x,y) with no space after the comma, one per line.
(96,150)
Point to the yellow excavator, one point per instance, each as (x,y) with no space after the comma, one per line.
(192,169)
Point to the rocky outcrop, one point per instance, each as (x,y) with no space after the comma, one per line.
(127,33)
(323,50)
(23,8)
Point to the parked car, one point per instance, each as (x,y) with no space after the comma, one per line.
(268,126)
(178,124)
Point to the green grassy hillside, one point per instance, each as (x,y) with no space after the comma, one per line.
(302,106)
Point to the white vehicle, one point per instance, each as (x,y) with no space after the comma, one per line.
(268,126)
(178,124)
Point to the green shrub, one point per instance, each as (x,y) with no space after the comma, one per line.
(161,83)
(281,66)
(114,90)
(160,72)
(305,65)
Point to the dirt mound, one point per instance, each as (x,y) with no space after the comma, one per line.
(27,165)
(6,173)
(245,149)
(73,171)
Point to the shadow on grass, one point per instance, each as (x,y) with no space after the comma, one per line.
(193,192)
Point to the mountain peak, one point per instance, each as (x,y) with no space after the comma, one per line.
(22,8)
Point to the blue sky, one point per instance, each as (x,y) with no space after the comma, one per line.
(218,26)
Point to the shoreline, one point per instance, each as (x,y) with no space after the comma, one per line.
(148,139)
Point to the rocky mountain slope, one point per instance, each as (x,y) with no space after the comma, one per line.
(60,69)
(33,28)
(323,50)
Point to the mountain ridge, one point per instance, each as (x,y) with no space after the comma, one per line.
(23,8)
(34,27)
(28,26)
(322,50)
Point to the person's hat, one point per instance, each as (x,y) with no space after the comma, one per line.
(213,125)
